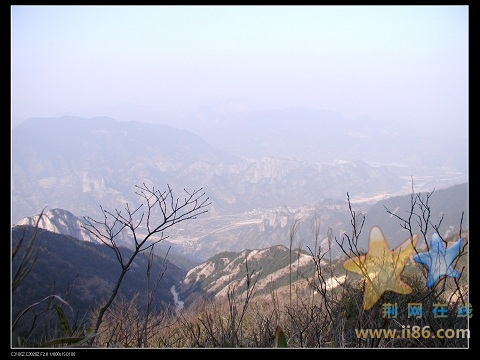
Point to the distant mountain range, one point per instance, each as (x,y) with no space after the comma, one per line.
(209,236)
(80,165)
(258,160)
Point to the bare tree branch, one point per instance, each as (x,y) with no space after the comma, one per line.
(160,210)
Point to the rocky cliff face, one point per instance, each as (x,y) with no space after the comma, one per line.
(63,222)
(59,221)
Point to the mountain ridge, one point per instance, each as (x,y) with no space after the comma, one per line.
(78,164)
(268,227)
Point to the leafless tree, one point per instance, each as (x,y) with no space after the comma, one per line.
(158,211)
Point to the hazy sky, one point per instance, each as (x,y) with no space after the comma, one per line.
(402,63)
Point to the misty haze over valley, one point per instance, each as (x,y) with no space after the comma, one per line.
(260,169)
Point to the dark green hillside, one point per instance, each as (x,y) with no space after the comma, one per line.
(84,273)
